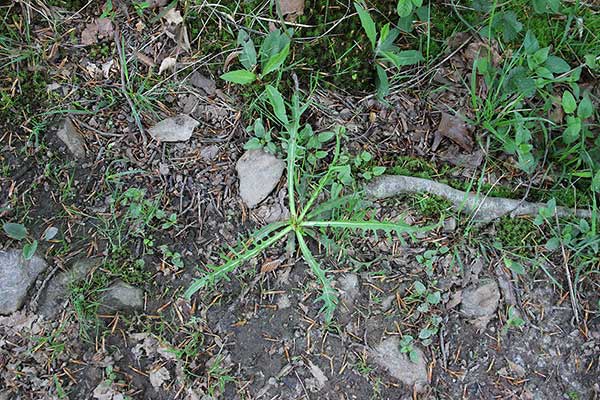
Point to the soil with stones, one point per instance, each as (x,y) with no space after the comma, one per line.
(100,319)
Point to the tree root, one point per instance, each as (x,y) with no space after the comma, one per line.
(483,208)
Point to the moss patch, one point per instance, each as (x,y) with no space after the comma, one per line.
(517,234)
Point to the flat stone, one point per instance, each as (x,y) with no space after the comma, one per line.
(479,302)
(349,291)
(259,172)
(121,296)
(17,275)
(56,293)
(449,225)
(200,81)
(174,129)
(71,137)
(209,153)
(388,356)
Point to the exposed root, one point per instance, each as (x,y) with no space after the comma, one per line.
(483,208)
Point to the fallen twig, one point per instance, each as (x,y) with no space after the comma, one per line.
(485,209)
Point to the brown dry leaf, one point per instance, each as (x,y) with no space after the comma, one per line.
(158,377)
(270,265)
(105,27)
(478,50)
(454,129)
(291,8)
(106,68)
(145,59)
(455,299)
(183,39)
(229,59)
(89,35)
(173,17)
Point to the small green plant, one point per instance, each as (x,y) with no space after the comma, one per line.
(173,258)
(513,321)
(263,138)
(429,257)
(19,233)
(362,366)
(384,50)
(272,55)
(140,6)
(576,235)
(108,10)
(133,215)
(304,218)
(427,297)
(362,163)
(406,347)
(218,376)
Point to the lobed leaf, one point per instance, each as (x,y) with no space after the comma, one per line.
(328,295)
(221,272)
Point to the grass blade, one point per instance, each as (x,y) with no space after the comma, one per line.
(291,170)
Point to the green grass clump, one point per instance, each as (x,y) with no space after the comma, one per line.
(29,98)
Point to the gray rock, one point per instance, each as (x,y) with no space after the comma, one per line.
(121,297)
(272,213)
(449,225)
(209,153)
(16,277)
(480,302)
(259,172)
(349,287)
(71,137)
(55,294)
(174,129)
(388,356)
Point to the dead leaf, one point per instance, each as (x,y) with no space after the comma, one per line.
(145,59)
(89,35)
(318,373)
(455,299)
(105,27)
(477,50)
(158,377)
(454,129)
(291,8)
(229,59)
(166,64)
(106,68)
(453,155)
(93,70)
(173,17)
(270,265)
(183,40)
(557,114)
